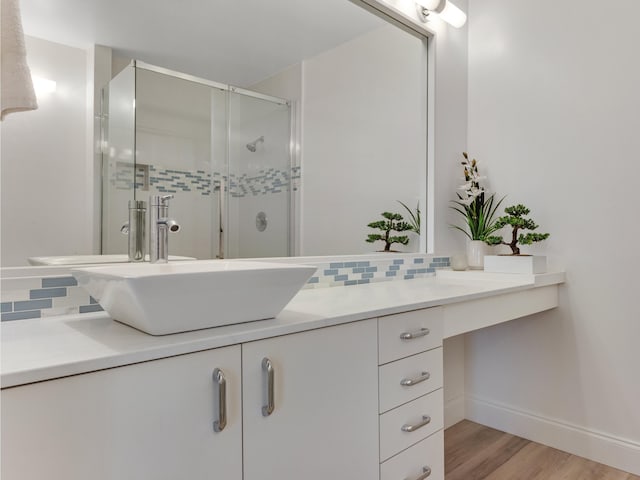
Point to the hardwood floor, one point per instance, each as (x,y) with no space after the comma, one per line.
(476,452)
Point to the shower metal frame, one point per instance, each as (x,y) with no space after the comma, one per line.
(292,150)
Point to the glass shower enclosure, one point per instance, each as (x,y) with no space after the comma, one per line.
(224,153)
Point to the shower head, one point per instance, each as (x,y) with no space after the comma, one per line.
(253,145)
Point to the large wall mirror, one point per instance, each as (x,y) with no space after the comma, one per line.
(312,115)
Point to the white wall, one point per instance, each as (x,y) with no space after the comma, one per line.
(553,112)
(363,139)
(45,162)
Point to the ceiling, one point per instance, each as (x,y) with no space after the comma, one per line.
(233,41)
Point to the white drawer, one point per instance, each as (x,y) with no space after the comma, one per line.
(394,439)
(390,330)
(410,464)
(411,371)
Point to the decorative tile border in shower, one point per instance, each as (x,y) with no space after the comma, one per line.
(164,180)
(269,181)
(52,295)
(174,181)
(348,273)
(36,297)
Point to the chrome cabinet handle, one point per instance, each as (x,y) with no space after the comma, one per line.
(221,386)
(423,332)
(267,368)
(410,382)
(426,419)
(426,471)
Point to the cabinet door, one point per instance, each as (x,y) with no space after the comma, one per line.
(151,420)
(324,424)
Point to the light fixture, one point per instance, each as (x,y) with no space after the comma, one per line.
(446,10)
(43,86)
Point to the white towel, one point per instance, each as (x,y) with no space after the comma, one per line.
(16,86)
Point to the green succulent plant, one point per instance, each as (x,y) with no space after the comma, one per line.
(414,217)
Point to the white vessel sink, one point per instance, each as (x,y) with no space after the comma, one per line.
(89,259)
(177,297)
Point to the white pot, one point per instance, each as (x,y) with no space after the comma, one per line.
(476,251)
(530,264)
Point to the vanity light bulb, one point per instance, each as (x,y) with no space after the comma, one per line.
(446,10)
(453,15)
(431,5)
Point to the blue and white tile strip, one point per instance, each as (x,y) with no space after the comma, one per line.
(36,297)
(348,273)
(163,180)
(48,296)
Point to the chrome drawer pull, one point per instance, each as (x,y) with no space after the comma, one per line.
(410,382)
(221,386)
(267,368)
(426,419)
(423,332)
(426,471)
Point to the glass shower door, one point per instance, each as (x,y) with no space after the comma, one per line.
(258,194)
(118,158)
(223,153)
(181,151)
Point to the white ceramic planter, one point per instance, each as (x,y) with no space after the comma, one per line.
(515,264)
(476,251)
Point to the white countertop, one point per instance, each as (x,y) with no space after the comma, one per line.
(47,348)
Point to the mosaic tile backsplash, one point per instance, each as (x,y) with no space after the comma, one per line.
(347,273)
(164,180)
(36,297)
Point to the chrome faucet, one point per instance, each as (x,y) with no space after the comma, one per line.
(159,227)
(135,230)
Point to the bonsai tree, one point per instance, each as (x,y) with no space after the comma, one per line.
(392,222)
(516,219)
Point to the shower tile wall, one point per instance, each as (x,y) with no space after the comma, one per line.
(164,180)
(200,189)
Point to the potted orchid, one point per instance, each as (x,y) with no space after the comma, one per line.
(478,210)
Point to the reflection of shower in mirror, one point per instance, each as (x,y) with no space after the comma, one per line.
(253,145)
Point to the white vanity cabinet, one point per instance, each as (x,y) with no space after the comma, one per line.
(323,424)
(150,420)
(155,420)
(411,398)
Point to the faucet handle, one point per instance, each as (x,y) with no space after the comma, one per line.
(160,200)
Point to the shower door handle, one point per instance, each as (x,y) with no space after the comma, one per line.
(221,200)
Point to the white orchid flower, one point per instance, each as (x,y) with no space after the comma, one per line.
(466,186)
(474,192)
(467,201)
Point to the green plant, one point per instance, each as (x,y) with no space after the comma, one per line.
(477,209)
(414,217)
(516,219)
(393,222)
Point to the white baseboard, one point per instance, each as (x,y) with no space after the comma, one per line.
(597,446)
(454,410)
